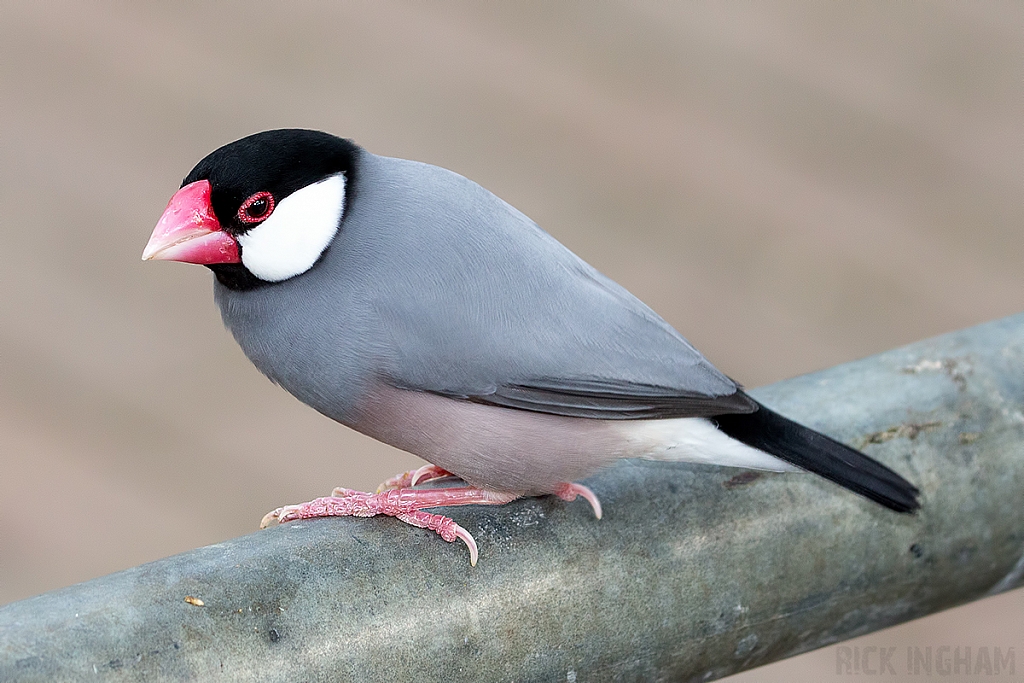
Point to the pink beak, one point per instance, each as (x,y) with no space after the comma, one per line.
(190,232)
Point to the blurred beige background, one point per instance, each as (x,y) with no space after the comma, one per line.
(791,186)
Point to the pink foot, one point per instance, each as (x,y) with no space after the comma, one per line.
(414,477)
(405,504)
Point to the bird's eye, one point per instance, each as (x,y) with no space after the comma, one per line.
(256,208)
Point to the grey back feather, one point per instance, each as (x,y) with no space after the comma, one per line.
(434,284)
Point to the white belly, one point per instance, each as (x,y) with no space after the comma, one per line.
(523,452)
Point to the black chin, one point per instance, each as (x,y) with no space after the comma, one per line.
(235,276)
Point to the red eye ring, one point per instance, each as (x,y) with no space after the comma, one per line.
(256,208)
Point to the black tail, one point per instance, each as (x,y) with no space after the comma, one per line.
(810,450)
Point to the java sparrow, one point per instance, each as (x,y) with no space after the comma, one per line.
(412,305)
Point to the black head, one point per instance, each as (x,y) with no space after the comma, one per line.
(275,161)
(271,204)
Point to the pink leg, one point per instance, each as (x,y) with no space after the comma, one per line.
(405,504)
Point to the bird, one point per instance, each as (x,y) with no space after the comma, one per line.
(409,303)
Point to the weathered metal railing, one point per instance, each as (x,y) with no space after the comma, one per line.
(693,573)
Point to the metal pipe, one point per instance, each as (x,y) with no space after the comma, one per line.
(694,572)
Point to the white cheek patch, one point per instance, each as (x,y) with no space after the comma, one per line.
(297,232)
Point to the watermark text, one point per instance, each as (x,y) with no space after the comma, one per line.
(928,660)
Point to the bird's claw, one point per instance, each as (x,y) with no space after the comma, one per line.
(342,492)
(270,517)
(470,542)
(409,504)
(413,477)
(445,527)
(281,515)
(569,492)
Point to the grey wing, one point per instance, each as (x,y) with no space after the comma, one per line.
(483,305)
(612,401)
